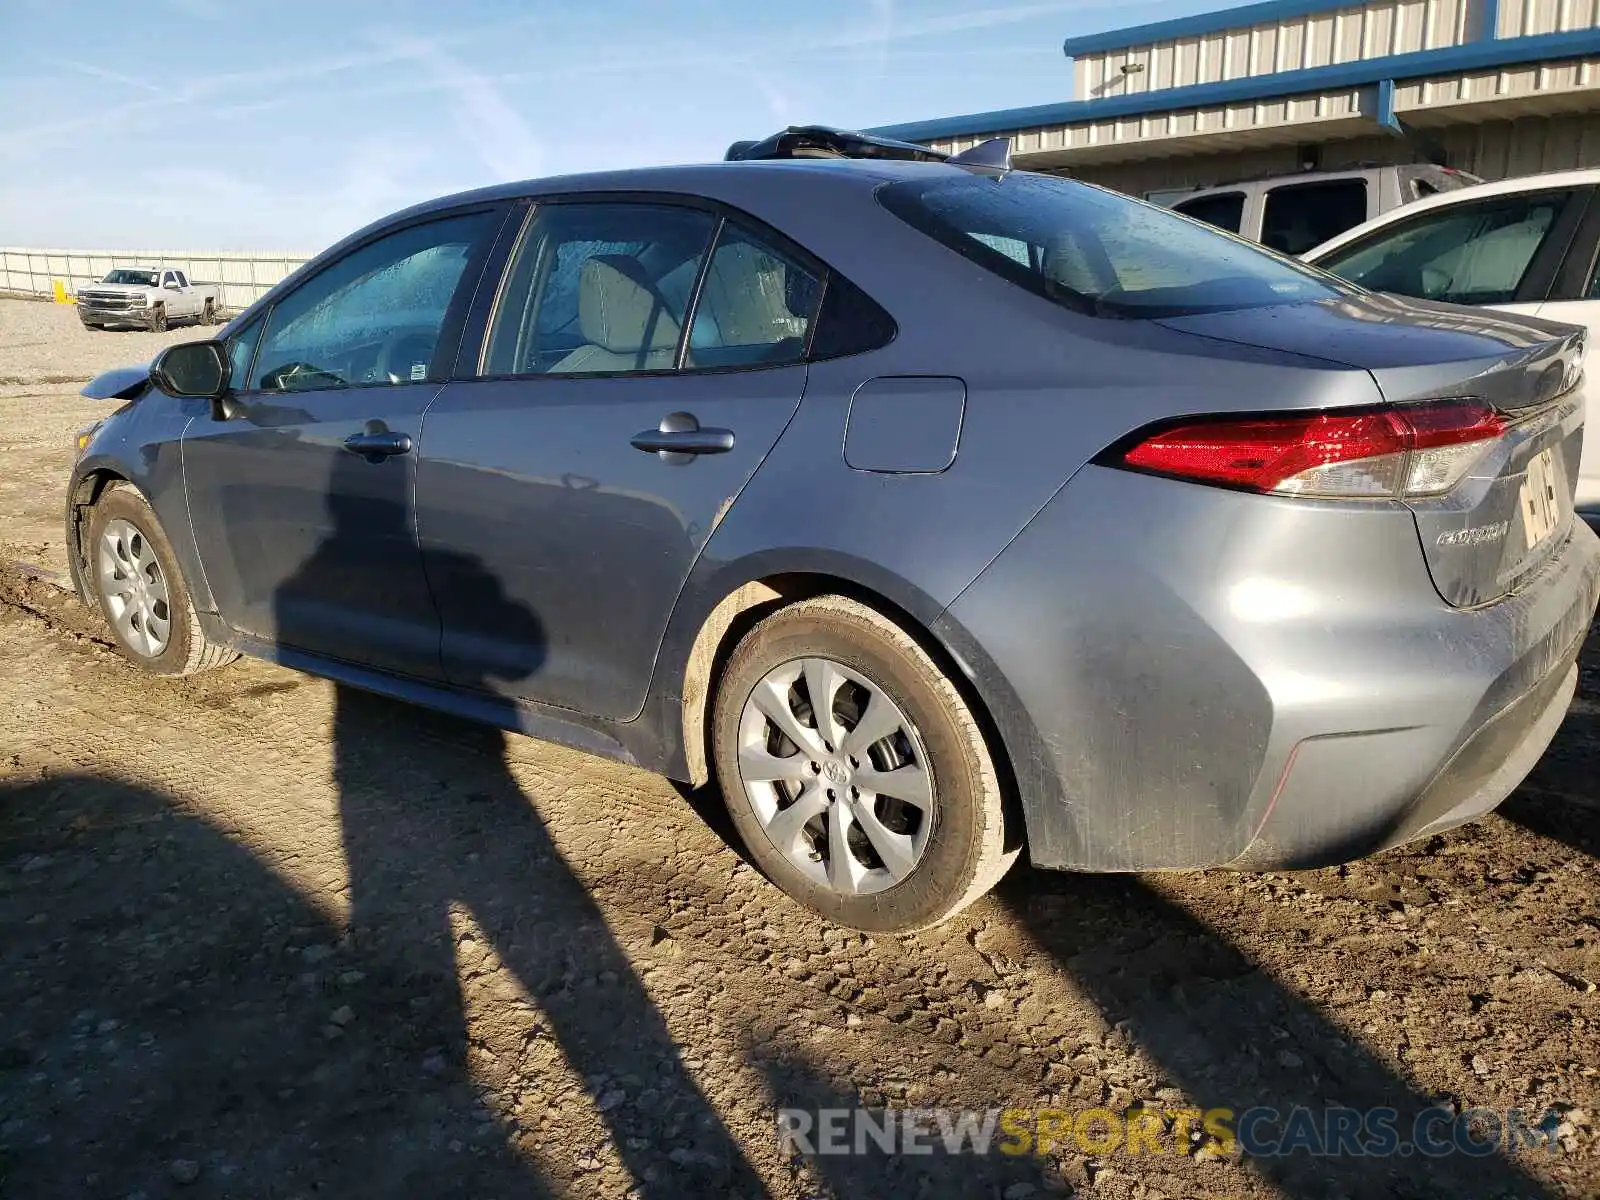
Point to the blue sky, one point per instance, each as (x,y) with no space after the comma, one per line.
(283,124)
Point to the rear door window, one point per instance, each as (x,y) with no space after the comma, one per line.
(1225,210)
(1472,253)
(756,304)
(1301,216)
(599,289)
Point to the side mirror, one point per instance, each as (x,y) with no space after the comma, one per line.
(196,370)
(172,285)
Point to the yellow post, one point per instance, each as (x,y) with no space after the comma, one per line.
(62,295)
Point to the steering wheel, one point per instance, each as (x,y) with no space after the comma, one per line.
(402,353)
(298,377)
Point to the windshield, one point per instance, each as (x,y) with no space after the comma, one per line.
(136,278)
(1097,251)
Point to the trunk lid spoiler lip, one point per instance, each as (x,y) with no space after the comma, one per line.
(1518,383)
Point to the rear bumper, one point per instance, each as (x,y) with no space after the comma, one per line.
(1320,819)
(1190,677)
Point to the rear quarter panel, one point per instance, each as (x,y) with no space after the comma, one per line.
(1047,389)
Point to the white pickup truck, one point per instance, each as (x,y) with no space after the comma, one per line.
(149,297)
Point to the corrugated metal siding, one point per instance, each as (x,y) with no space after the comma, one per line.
(1534,79)
(1539,89)
(1493,149)
(241,278)
(1524,18)
(1345,104)
(1315,40)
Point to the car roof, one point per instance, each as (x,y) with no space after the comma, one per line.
(716,181)
(1543,182)
(712,179)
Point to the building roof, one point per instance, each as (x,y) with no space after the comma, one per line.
(1285,48)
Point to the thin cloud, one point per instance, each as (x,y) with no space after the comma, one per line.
(107,75)
(230,84)
(776,99)
(485,119)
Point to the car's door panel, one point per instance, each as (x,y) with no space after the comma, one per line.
(302,503)
(536,483)
(1586,313)
(568,484)
(1575,299)
(306,542)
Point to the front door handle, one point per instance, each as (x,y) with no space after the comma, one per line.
(680,437)
(375,445)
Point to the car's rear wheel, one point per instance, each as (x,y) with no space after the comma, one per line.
(208,314)
(134,575)
(158,318)
(855,772)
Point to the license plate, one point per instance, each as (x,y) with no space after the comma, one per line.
(1541,499)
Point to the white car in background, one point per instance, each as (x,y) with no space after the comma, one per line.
(1529,245)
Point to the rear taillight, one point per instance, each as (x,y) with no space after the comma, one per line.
(1390,453)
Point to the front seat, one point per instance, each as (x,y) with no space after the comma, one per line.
(623,318)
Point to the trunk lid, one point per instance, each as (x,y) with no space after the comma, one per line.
(1514,511)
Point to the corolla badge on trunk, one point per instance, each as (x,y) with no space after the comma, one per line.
(1477,535)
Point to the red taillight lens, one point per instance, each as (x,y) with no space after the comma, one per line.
(1418,450)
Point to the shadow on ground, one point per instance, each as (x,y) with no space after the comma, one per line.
(170,999)
(1233,1037)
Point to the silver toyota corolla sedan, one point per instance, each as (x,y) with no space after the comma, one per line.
(938,511)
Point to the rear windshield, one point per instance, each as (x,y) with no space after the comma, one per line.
(138,278)
(1098,251)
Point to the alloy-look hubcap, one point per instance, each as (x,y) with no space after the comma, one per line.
(134,588)
(837,775)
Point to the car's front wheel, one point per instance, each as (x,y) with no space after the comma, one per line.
(135,577)
(855,771)
(158,318)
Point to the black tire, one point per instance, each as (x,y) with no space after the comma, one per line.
(208,314)
(158,319)
(965,853)
(187,650)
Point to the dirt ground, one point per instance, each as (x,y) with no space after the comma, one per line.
(264,936)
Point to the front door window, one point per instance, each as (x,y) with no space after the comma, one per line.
(374,317)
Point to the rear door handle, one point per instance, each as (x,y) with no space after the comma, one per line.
(687,441)
(680,434)
(377,446)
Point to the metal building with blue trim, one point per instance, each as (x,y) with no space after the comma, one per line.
(1497,87)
